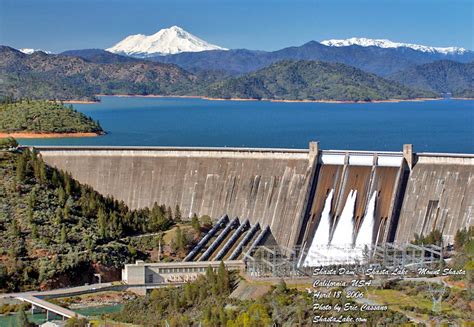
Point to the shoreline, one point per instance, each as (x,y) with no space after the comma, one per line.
(32,135)
(80,101)
(267,100)
(467,99)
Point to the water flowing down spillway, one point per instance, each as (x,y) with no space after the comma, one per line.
(366,230)
(322,234)
(339,250)
(344,229)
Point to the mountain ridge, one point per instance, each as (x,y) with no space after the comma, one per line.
(43,76)
(312,80)
(444,76)
(166,41)
(385,43)
(381,61)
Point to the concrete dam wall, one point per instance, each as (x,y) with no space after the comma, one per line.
(265,186)
(439,195)
(396,194)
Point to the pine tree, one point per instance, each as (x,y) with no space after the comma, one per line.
(169,214)
(55,179)
(195,223)
(14,229)
(34,232)
(210,277)
(20,168)
(180,240)
(63,234)
(102,222)
(32,199)
(58,219)
(61,195)
(68,184)
(223,283)
(177,214)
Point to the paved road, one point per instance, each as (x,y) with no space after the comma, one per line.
(60,291)
(50,306)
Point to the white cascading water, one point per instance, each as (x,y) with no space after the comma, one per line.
(366,230)
(344,229)
(341,249)
(321,236)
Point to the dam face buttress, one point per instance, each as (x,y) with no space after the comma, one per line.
(265,186)
(396,194)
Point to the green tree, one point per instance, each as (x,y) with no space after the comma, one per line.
(179,240)
(223,280)
(8,142)
(195,223)
(177,214)
(63,238)
(206,221)
(34,232)
(102,222)
(20,168)
(14,229)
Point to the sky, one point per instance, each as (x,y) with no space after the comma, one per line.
(58,25)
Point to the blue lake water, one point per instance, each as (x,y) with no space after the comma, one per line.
(435,126)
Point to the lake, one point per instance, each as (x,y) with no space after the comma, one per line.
(433,126)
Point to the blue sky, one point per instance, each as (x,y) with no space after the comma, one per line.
(59,25)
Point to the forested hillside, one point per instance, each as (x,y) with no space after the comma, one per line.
(42,76)
(56,232)
(312,80)
(441,76)
(35,116)
(206,302)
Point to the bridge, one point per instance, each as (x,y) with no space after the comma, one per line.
(49,307)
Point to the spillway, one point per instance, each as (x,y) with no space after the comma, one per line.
(365,235)
(344,228)
(323,232)
(365,188)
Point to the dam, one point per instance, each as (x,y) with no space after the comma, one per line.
(287,196)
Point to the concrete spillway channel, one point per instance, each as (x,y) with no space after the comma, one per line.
(221,222)
(219,240)
(247,238)
(228,245)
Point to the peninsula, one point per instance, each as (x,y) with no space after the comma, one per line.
(44,119)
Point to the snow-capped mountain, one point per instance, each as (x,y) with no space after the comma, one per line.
(383,43)
(166,41)
(30,51)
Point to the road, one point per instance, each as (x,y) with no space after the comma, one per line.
(37,302)
(60,291)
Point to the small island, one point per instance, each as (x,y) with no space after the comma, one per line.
(44,119)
